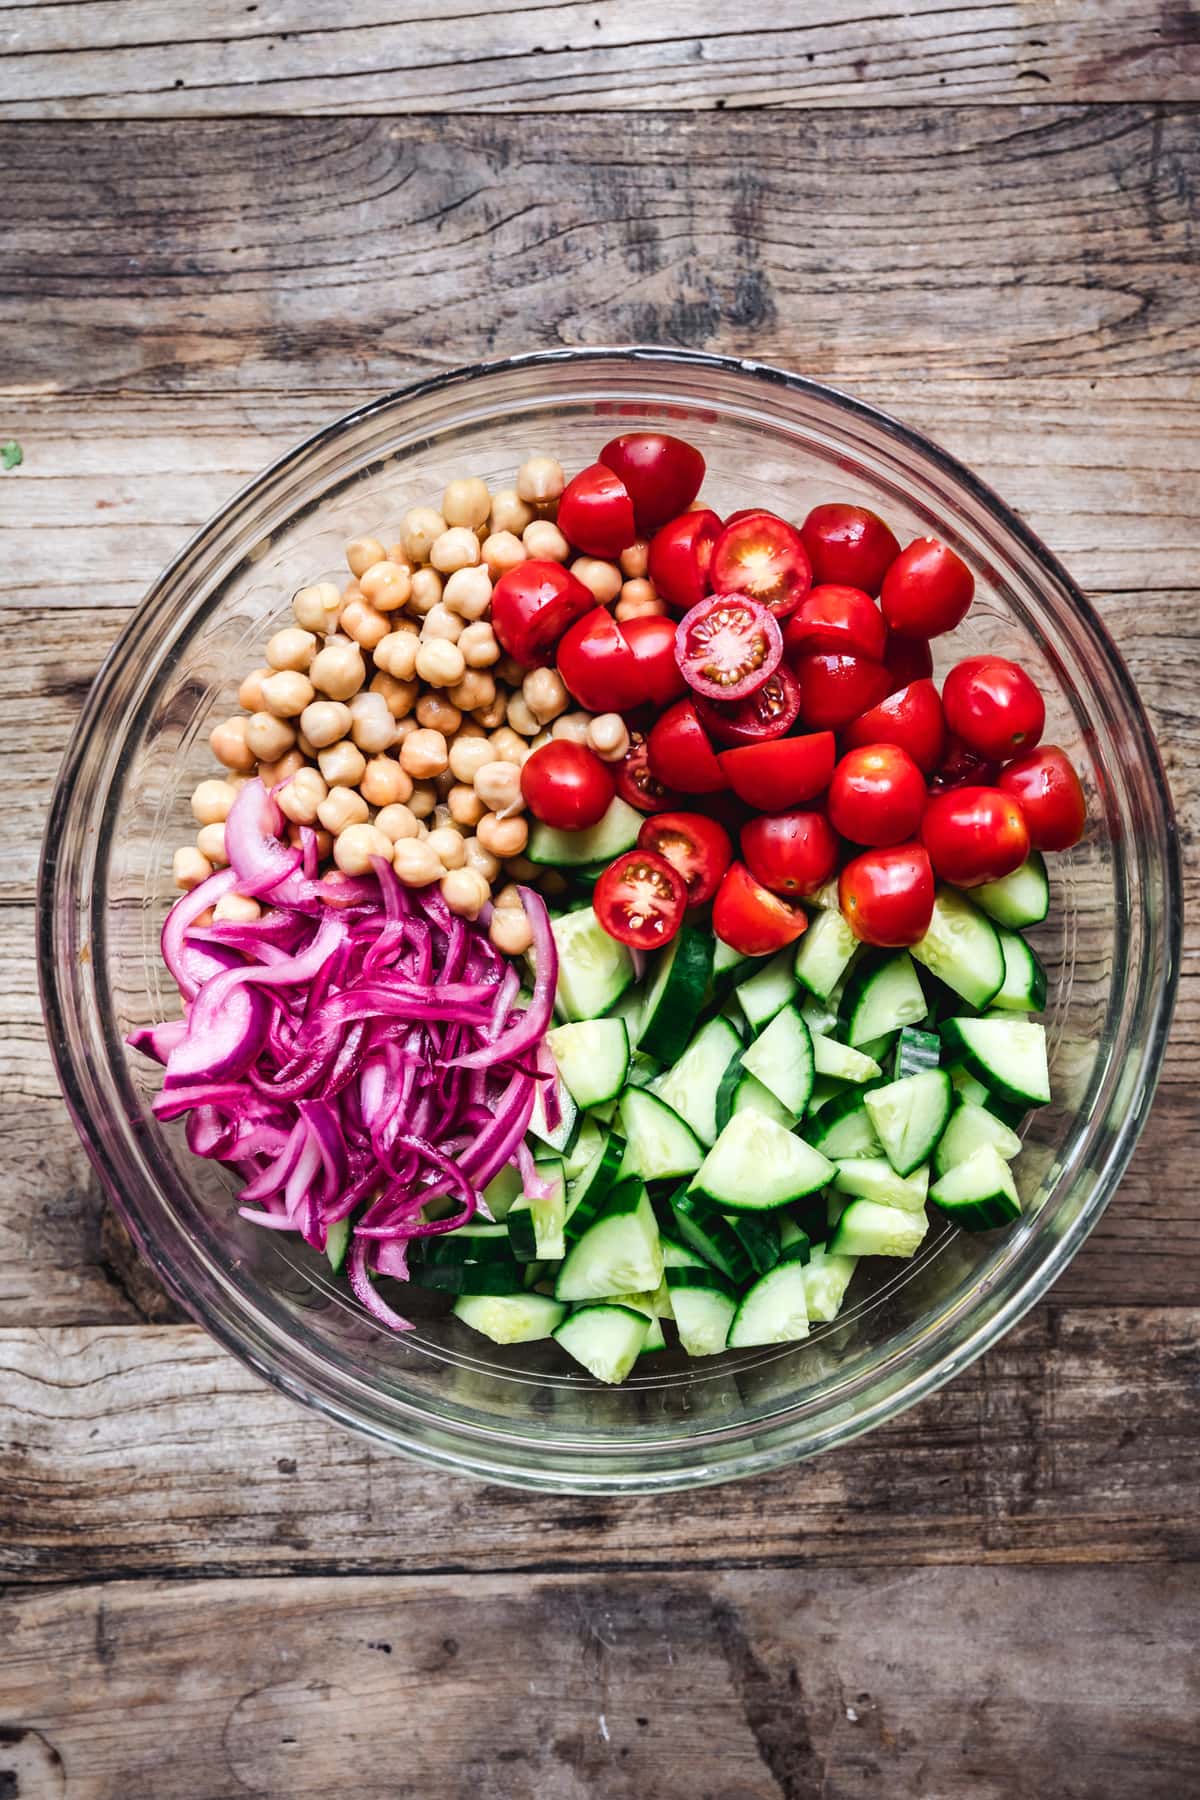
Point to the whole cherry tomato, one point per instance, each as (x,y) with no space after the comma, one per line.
(597,664)
(566,785)
(766,713)
(835,689)
(877,795)
(641,899)
(974,834)
(763,556)
(960,767)
(848,544)
(1048,791)
(927,590)
(637,784)
(727,646)
(782,773)
(693,844)
(679,558)
(791,853)
(993,706)
(751,919)
(680,754)
(652,640)
(911,717)
(836,618)
(533,605)
(886,896)
(907,658)
(596,513)
(662,475)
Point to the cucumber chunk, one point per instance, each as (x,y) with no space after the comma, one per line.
(591,1138)
(1020,899)
(980,1193)
(709,1234)
(511,1318)
(826,1279)
(916,1050)
(562,1136)
(756,1164)
(601,843)
(592,1058)
(730,967)
(758,1234)
(961,948)
(704,1305)
(740,1090)
(536,1227)
(868,1229)
(676,994)
(882,994)
(795,1244)
(781,1058)
(658,1144)
(762,996)
(843,1128)
(1024,988)
(606,1339)
(873,1178)
(337,1243)
(502,1190)
(476,1242)
(471,1277)
(589,1190)
(840,1062)
(910,1116)
(692,1086)
(824,953)
(619,1254)
(594,970)
(677,1255)
(1007,1055)
(970,1128)
(773,1311)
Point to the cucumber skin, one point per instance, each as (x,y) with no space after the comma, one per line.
(667,1037)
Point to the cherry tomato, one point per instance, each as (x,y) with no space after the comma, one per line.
(836,618)
(596,513)
(907,659)
(652,641)
(781,773)
(662,475)
(1047,789)
(766,713)
(751,919)
(877,795)
(597,664)
(680,754)
(641,899)
(835,689)
(911,717)
(993,706)
(974,834)
(637,784)
(850,544)
(791,853)
(760,555)
(727,646)
(886,896)
(961,767)
(566,785)
(533,605)
(927,590)
(693,844)
(679,558)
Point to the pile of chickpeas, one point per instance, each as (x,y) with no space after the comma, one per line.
(388,719)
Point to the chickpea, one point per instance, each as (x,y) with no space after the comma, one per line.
(426,591)
(317,608)
(509,512)
(456,548)
(189,867)
(502,836)
(608,736)
(467,595)
(510,931)
(282,769)
(635,558)
(419,531)
(338,669)
(510,672)
(363,553)
(553,884)
(572,726)
(448,846)
(507,746)
(520,717)
(287,693)
(521,869)
(354,848)
(498,785)
(210,842)
(545,541)
(267,736)
(341,807)
(539,480)
(250,692)
(490,716)
(509,895)
(399,696)
(503,551)
(387,585)
(396,654)
(361,622)
(415,863)
(291,648)
(481,860)
(422,800)
(405,728)
(652,608)
(423,754)
(372,725)
(440,663)
(343,764)
(441,623)
(544,693)
(637,587)
(237,909)
(305,747)
(543,737)
(325,721)
(384,782)
(300,797)
(476,689)
(601,579)
(478,645)
(466,808)
(465,892)
(466,502)
(396,822)
(212,800)
(467,757)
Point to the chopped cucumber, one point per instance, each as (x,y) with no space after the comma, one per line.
(511,1318)
(590,1189)
(592,1058)
(843,1128)
(656,1338)
(910,1116)
(840,1062)
(656,1305)
(740,1090)
(819,1017)
(970,1128)
(882,994)
(826,1279)
(758,1234)
(961,948)
(594,970)
(692,1086)
(711,1236)
(337,1243)
(601,843)
(916,1050)
(824,953)
(658,1144)
(677,1255)
(563,1135)
(794,1243)
(1020,899)
(873,1178)
(502,1190)
(1007,1055)
(1024,988)
(676,994)
(536,1227)
(606,1339)
(471,1277)
(868,1229)
(730,967)
(592,1136)
(781,1058)
(980,1193)
(704,1305)
(773,1311)
(762,996)
(619,1254)
(476,1242)
(756,1164)
(977,1094)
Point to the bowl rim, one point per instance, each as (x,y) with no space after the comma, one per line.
(467,1450)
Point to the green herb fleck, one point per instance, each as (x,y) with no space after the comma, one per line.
(11,454)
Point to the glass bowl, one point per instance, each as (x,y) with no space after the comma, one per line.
(441,1393)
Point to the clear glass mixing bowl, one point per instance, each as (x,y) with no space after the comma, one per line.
(441,1393)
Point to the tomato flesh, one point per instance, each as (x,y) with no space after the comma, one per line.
(781,773)
(877,795)
(836,618)
(680,754)
(849,544)
(597,664)
(886,896)
(835,688)
(533,605)
(566,785)
(927,591)
(751,919)
(661,474)
(641,899)
(697,846)
(974,834)
(727,646)
(960,767)
(994,707)
(768,712)
(637,784)
(679,557)
(1048,791)
(763,556)
(792,853)
(911,717)
(652,641)
(596,513)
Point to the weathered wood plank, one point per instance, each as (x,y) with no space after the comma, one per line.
(1011,241)
(930,1685)
(137,1452)
(94,60)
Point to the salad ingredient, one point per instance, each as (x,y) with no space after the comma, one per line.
(695,845)
(836,687)
(781,773)
(877,795)
(1047,789)
(566,785)
(886,895)
(750,918)
(611,836)
(598,666)
(792,853)
(661,475)
(651,637)
(637,784)
(974,834)
(533,606)
(727,646)
(911,717)
(961,767)
(993,707)
(762,556)
(768,712)
(961,947)
(834,617)
(680,555)
(680,754)
(11,455)
(640,899)
(907,658)
(927,590)
(849,544)
(595,512)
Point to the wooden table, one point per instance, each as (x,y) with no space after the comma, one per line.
(224,224)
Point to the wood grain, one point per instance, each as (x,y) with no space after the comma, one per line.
(285,56)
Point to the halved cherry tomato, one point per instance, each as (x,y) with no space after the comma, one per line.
(566,785)
(695,845)
(835,689)
(533,605)
(961,767)
(652,640)
(927,590)
(1047,789)
(727,646)
(974,834)
(791,853)
(596,513)
(911,717)
(596,662)
(907,659)
(886,896)
(763,556)
(836,618)
(680,555)
(766,713)
(638,785)
(641,899)
(662,475)
(850,544)
(680,753)
(877,795)
(993,706)
(781,773)
(751,919)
